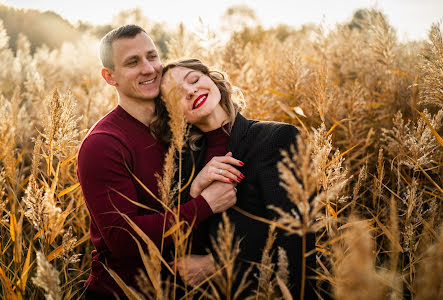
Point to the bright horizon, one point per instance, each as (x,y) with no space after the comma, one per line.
(412,19)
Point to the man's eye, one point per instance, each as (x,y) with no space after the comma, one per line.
(132,62)
(152,57)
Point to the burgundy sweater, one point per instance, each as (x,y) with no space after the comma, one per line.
(114,145)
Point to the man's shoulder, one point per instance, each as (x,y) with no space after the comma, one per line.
(109,123)
(108,130)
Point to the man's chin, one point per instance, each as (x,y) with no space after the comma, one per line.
(150,95)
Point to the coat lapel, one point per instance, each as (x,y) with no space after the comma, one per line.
(237,141)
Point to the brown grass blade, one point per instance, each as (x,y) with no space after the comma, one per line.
(129,292)
(341,155)
(434,132)
(69,159)
(38,234)
(173,228)
(139,204)
(143,185)
(277,93)
(26,268)
(387,232)
(284,289)
(68,189)
(7,285)
(400,73)
(146,239)
(190,177)
(427,176)
(12,226)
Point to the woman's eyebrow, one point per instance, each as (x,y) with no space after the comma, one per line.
(188,74)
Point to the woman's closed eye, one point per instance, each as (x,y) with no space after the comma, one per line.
(195,80)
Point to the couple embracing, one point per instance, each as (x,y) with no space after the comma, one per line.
(235,165)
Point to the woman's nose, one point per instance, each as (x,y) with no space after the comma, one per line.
(191,91)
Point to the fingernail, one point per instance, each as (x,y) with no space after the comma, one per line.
(231,180)
(238,179)
(241,163)
(242,176)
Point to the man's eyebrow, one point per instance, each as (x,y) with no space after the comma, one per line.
(136,56)
(188,74)
(129,58)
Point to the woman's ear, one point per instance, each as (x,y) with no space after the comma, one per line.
(107,75)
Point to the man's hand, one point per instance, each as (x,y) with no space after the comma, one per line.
(194,269)
(220,196)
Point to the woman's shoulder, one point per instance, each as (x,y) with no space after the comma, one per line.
(272,131)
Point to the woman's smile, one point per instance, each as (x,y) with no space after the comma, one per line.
(199,101)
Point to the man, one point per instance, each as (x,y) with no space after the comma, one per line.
(121,149)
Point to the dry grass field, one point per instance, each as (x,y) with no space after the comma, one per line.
(370,110)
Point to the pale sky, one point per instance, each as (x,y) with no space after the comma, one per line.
(411,18)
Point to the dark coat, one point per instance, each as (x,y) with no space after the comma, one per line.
(258,145)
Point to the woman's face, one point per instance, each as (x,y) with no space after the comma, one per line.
(198,94)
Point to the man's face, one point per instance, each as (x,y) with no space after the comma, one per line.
(137,68)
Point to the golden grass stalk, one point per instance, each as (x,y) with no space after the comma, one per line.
(429,284)
(266,268)
(47,278)
(227,250)
(431,91)
(35,205)
(8,128)
(354,270)
(313,181)
(415,140)
(395,252)
(3,207)
(69,241)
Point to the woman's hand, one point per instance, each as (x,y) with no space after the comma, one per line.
(219,168)
(194,269)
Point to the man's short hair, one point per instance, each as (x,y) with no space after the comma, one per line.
(126,31)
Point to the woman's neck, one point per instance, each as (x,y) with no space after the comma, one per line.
(217,119)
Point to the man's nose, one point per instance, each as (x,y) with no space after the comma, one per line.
(147,67)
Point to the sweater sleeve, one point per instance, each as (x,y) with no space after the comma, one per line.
(276,195)
(104,178)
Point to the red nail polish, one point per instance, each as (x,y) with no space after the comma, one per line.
(242,176)
(241,163)
(231,180)
(238,179)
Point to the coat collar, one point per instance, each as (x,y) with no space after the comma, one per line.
(238,133)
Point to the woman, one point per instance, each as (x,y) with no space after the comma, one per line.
(220,134)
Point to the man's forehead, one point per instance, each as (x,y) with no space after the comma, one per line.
(130,46)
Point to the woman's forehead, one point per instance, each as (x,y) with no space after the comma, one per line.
(181,73)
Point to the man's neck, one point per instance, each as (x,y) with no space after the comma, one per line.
(141,110)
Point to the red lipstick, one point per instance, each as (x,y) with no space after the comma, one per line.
(196,103)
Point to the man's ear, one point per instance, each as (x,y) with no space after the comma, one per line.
(107,75)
